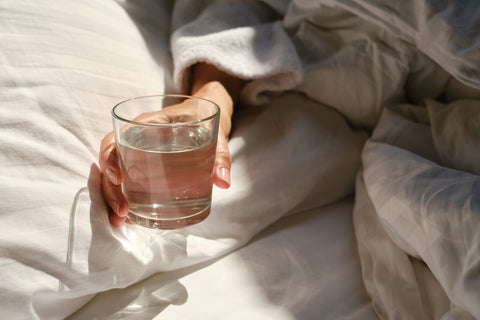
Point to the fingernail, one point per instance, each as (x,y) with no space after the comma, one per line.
(224,175)
(115,207)
(112,176)
(122,213)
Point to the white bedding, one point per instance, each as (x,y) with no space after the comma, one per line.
(282,274)
(411,248)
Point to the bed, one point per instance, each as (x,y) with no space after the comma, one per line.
(328,216)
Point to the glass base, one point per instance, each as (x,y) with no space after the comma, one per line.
(169,224)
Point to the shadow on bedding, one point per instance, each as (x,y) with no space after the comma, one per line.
(101,268)
(143,300)
(100,281)
(315,262)
(132,273)
(152,20)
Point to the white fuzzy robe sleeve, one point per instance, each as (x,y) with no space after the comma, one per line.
(243,38)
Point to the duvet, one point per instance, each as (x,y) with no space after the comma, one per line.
(361,115)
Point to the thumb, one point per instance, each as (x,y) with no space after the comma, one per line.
(223,162)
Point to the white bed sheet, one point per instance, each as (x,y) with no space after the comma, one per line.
(416,214)
(63,66)
(303,267)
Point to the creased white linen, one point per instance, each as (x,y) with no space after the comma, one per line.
(365,54)
(416,196)
(238,213)
(65,77)
(349,64)
(243,283)
(429,211)
(63,65)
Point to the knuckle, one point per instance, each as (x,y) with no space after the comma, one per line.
(108,156)
(223,158)
(106,146)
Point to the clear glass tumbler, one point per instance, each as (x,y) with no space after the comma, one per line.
(166,149)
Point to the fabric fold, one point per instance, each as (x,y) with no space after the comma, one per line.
(429,211)
(247,40)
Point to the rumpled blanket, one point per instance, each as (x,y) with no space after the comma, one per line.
(408,72)
(369,97)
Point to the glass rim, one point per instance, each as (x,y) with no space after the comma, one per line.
(175,124)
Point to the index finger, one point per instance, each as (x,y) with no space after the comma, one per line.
(108,159)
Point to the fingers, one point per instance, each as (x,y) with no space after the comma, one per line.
(116,201)
(223,162)
(111,181)
(206,85)
(109,159)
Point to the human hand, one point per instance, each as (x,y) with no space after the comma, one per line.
(109,164)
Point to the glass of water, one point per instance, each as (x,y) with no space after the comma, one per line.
(166,149)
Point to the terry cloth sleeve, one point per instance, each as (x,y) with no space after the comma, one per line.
(243,38)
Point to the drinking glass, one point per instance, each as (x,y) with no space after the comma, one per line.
(166,150)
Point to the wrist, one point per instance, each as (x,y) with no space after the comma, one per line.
(216,92)
(208,75)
